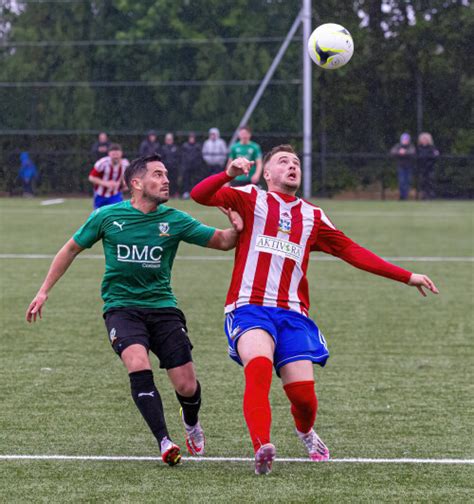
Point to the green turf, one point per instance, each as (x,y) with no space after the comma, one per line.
(398,383)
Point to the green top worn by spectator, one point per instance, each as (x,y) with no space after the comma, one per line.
(251,151)
(139,251)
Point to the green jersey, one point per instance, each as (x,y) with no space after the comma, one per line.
(250,151)
(139,251)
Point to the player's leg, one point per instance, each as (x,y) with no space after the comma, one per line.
(298,382)
(188,393)
(171,344)
(300,345)
(255,349)
(129,338)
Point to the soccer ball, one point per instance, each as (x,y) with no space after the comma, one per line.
(330,46)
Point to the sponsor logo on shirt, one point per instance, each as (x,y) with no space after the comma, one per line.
(277,246)
(164,227)
(148,257)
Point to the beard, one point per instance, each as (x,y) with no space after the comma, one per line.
(158,200)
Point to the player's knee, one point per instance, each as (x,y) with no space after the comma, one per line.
(186,388)
(135,359)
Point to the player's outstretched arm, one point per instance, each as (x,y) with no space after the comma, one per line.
(210,191)
(59,266)
(226,239)
(420,281)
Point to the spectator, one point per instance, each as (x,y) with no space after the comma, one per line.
(244,147)
(107,177)
(191,163)
(100,148)
(427,154)
(405,153)
(214,152)
(150,145)
(170,158)
(27,174)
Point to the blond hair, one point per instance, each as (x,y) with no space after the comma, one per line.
(426,137)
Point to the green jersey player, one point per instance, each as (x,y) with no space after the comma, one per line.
(140,238)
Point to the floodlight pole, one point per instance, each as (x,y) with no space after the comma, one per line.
(268,75)
(307,103)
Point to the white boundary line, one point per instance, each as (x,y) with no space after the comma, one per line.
(107,458)
(230,257)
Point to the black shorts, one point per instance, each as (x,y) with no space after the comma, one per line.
(161,330)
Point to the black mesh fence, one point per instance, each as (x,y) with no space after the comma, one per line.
(65,161)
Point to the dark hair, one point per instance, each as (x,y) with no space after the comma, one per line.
(114,146)
(138,167)
(246,127)
(276,150)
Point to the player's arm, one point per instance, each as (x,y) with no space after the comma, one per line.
(335,242)
(210,191)
(59,266)
(95,178)
(226,239)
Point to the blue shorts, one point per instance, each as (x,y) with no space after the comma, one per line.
(296,337)
(100,201)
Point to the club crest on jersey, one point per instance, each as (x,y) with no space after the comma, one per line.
(284,224)
(164,227)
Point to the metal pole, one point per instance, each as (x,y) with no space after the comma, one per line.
(307,103)
(268,76)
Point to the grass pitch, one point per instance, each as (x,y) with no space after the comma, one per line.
(398,383)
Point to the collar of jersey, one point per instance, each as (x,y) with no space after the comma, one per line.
(285,199)
(155,212)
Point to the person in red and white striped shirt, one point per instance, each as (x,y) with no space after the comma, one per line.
(107,177)
(267,304)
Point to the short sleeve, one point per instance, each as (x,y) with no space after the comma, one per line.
(91,231)
(196,232)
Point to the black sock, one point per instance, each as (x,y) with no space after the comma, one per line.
(191,406)
(148,401)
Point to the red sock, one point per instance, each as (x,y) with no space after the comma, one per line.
(304,404)
(257,411)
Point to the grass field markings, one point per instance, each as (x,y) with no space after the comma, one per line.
(230,257)
(56,201)
(111,458)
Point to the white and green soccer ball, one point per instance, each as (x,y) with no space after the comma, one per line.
(330,46)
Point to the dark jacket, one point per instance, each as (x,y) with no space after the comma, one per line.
(426,158)
(191,156)
(406,160)
(170,156)
(148,148)
(100,150)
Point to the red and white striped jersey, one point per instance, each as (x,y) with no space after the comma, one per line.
(272,252)
(106,170)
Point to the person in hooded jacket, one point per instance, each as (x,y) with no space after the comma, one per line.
(27,174)
(214,152)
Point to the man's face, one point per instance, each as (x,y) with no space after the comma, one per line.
(213,136)
(283,172)
(152,138)
(192,139)
(244,136)
(155,184)
(169,139)
(115,155)
(103,137)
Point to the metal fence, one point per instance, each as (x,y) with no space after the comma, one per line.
(65,171)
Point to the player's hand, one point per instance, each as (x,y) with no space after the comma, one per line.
(36,306)
(239,166)
(402,151)
(234,218)
(420,281)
